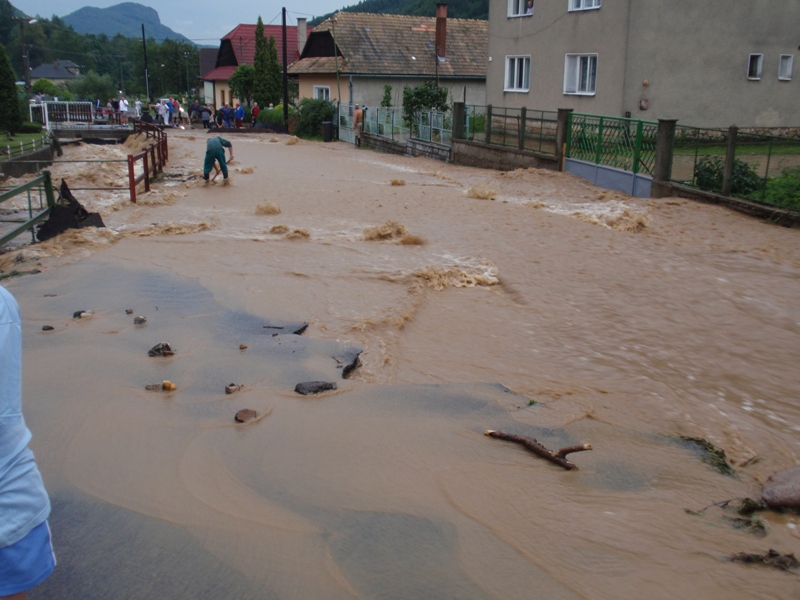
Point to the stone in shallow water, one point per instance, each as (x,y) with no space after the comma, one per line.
(245,415)
(162,349)
(139,320)
(348,361)
(314,387)
(47,328)
(782,489)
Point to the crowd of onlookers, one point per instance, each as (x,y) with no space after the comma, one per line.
(172,113)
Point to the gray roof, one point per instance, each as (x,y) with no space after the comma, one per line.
(372,44)
(57,70)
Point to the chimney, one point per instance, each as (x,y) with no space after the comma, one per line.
(441,30)
(302,35)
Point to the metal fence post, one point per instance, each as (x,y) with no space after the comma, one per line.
(637,147)
(458,120)
(730,156)
(599,147)
(489,124)
(523,115)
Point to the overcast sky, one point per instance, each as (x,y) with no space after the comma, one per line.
(202,21)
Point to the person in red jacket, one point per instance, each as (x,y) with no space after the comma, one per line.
(254,113)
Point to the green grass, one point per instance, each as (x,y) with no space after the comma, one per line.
(741,149)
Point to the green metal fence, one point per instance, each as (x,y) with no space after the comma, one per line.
(432,126)
(38,201)
(626,144)
(387,123)
(765,168)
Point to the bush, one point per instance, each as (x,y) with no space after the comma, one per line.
(427,96)
(272,115)
(311,115)
(782,191)
(709,170)
(28,127)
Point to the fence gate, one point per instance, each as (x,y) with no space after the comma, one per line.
(346,117)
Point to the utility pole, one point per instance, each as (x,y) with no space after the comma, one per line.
(146,72)
(26,66)
(285,73)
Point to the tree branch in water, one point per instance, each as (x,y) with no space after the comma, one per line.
(540,450)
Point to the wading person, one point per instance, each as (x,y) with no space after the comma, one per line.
(26,553)
(215,152)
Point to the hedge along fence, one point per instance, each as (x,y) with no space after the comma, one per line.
(753,166)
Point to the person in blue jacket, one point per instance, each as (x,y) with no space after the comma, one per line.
(227,116)
(239,116)
(26,552)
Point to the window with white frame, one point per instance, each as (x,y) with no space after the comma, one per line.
(520,8)
(580,74)
(583,4)
(754,66)
(518,73)
(322,92)
(785,67)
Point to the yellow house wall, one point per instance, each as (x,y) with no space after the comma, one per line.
(307,83)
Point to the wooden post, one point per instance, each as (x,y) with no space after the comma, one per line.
(131,178)
(561,132)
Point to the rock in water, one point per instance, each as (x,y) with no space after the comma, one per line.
(245,415)
(139,320)
(162,349)
(314,387)
(348,361)
(295,328)
(782,489)
(232,388)
(47,328)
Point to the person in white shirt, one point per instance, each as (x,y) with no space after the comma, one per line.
(137,106)
(123,110)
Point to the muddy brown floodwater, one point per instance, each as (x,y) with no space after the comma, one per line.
(528,301)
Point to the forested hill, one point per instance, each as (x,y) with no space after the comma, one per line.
(456,9)
(125,19)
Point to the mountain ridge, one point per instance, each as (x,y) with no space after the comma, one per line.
(125,19)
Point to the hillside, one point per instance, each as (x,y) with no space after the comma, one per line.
(125,19)
(456,9)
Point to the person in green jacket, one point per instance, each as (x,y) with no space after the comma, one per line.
(215,152)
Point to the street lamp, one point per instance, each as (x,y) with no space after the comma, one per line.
(186,56)
(25,62)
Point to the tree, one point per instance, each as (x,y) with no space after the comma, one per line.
(92,86)
(427,96)
(45,87)
(10,116)
(387,96)
(261,68)
(241,83)
(275,78)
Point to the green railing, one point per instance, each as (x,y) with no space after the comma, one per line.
(39,202)
(432,126)
(626,144)
(764,168)
(11,149)
(387,123)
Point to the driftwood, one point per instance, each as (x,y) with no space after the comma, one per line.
(538,449)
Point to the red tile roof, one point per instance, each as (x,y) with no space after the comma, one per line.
(243,41)
(219,74)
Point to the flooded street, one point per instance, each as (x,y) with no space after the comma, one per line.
(529,302)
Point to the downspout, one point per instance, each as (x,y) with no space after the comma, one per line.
(625,62)
(336,58)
